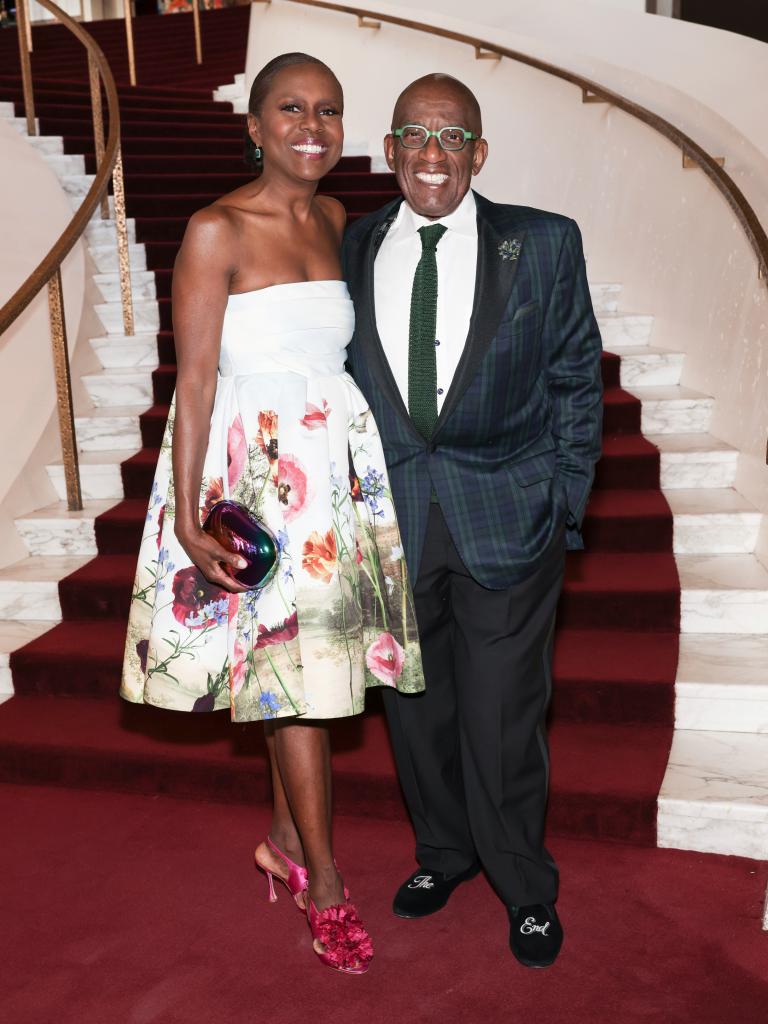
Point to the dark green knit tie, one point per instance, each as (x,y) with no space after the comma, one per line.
(422,362)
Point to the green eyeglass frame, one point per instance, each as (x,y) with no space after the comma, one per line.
(466,137)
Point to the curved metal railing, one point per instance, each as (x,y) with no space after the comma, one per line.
(48,271)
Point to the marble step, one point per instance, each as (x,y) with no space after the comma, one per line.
(713,521)
(109,429)
(7,109)
(695,460)
(231,89)
(146,316)
(54,530)
(619,330)
(605,296)
(714,797)
(65,163)
(20,124)
(142,285)
(673,410)
(119,387)
(72,187)
(648,367)
(723,594)
(106,260)
(29,589)
(77,184)
(104,231)
(12,636)
(722,683)
(47,144)
(100,477)
(120,350)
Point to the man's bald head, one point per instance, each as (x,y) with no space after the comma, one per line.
(434,180)
(438,86)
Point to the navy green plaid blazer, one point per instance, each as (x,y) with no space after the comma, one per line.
(513,452)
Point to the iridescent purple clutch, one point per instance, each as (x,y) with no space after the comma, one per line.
(238,530)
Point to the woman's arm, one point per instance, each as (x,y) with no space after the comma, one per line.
(201,276)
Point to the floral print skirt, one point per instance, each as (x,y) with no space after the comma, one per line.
(304,455)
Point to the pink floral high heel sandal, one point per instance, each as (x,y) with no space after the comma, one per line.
(346,945)
(296,882)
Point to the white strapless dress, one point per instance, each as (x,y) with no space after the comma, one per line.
(293,439)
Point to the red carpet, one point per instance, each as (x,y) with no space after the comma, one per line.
(149,911)
(619,617)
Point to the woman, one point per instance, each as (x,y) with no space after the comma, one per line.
(264,414)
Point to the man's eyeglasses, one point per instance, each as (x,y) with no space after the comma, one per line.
(416,136)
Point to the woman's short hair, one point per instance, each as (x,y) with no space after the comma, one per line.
(262,83)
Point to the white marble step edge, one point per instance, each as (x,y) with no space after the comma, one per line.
(605,296)
(14,635)
(76,199)
(29,590)
(231,89)
(136,351)
(109,430)
(100,476)
(714,797)
(63,164)
(695,460)
(723,594)
(619,330)
(722,683)
(105,259)
(673,409)
(146,316)
(642,366)
(119,387)
(20,124)
(104,232)
(142,280)
(47,144)
(713,521)
(54,530)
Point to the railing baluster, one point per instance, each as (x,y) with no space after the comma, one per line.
(198,40)
(127,13)
(123,250)
(64,392)
(98,124)
(25,46)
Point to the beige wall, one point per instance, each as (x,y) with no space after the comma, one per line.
(33,212)
(726,72)
(665,233)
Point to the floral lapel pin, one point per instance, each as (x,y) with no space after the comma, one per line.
(509,249)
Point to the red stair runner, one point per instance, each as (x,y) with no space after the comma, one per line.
(617,640)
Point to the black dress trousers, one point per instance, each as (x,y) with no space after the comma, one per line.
(471,750)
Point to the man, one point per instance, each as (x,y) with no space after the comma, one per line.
(478,350)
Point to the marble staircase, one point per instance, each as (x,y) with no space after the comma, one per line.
(715,794)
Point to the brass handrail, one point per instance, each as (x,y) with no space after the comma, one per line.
(592,92)
(48,271)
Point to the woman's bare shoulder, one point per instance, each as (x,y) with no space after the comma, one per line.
(334,211)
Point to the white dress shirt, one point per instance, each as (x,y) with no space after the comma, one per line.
(395,266)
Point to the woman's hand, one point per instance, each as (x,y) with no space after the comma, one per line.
(208,555)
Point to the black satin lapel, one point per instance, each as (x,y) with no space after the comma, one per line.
(374,350)
(493,285)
